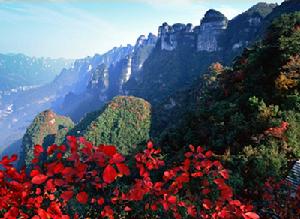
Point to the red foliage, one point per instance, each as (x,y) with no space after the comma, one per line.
(277,131)
(92,179)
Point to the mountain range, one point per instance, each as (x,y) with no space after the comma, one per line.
(18,71)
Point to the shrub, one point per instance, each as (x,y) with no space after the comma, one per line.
(96,182)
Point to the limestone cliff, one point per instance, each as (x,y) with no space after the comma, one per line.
(212,26)
(102,77)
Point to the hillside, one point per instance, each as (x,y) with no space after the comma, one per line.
(47,128)
(242,111)
(124,121)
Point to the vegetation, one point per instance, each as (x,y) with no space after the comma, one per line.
(96,182)
(125,122)
(167,71)
(47,128)
(87,181)
(233,109)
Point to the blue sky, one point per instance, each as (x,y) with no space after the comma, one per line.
(78,28)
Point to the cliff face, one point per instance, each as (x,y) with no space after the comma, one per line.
(212,26)
(170,37)
(201,38)
(215,33)
(142,50)
(98,79)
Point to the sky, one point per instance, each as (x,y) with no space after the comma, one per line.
(80,28)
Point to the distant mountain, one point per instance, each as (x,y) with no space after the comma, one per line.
(18,70)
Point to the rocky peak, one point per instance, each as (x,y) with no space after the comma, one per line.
(262,9)
(171,36)
(152,38)
(213,16)
(211,27)
(203,37)
(143,40)
(140,41)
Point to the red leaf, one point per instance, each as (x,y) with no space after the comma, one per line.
(13,158)
(235,202)
(123,169)
(117,158)
(108,150)
(67,195)
(127,208)
(208,154)
(34,173)
(205,191)
(100,201)
(59,182)
(172,199)
(39,179)
(82,197)
(149,145)
(38,149)
(58,168)
(109,174)
(43,214)
(224,174)
(252,215)
(207,204)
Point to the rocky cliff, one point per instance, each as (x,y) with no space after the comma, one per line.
(215,32)
(201,38)
(184,52)
(100,78)
(212,26)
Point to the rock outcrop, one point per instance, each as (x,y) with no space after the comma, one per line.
(172,36)
(215,32)
(212,26)
(202,38)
